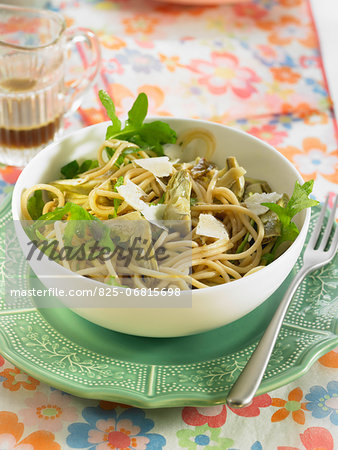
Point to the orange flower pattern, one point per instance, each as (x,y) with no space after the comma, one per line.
(330,359)
(313,159)
(111,42)
(285,74)
(14,380)
(11,433)
(140,23)
(289,29)
(292,405)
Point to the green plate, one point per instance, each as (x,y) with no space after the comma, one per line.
(60,348)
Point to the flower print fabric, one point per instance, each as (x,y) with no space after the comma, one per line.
(292,405)
(324,402)
(14,380)
(269,133)
(49,411)
(216,416)
(330,359)
(106,429)
(12,435)
(203,438)
(139,61)
(313,158)
(224,72)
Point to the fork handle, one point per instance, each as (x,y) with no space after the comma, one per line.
(246,385)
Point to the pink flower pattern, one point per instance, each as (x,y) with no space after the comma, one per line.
(122,434)
(224,73)
(216,416)
(49,411)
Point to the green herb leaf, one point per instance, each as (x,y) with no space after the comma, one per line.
(109,106)
(110,133)
(138,112)
(77,222)
(71,169)
(153,135)
(118,183)
(35,205)
(150,136)
(299,200)
(57,214)
(88,164)
(193,201)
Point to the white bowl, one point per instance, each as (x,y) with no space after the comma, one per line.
(203,309)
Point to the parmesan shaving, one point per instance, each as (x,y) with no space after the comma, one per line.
(132,195)
(160,167)
(209,226)
(174,151)
(253,202)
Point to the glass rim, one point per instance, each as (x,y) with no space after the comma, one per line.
(37,12)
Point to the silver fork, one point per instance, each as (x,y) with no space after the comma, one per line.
(246,385)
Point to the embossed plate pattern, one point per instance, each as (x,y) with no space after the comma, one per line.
(58,347)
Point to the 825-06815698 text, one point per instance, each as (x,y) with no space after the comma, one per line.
(105,291)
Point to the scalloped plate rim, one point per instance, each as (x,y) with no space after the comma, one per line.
(111,393)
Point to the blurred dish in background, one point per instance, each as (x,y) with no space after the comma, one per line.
(33,93)
(26,3)
(203,2)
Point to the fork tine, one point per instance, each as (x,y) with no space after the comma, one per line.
(334,245)
(329,226)
(315,234)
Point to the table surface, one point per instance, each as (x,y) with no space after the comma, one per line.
(256,67)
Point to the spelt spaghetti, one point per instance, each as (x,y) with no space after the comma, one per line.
(192,259)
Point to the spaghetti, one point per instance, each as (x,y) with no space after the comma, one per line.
(191,191)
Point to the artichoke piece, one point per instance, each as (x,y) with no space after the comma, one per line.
(253,186)
(271,222)
(75,185)
(201,168)
(177,198)
(232,177)
(132,232)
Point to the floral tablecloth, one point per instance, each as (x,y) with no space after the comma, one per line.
(254,66)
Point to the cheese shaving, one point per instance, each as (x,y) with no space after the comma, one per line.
(209,226)
(253,202)
(132,195)
(174,151)
(160,167)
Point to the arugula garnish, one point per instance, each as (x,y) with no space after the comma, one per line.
(79,222)
(35,205)
(299,200)
(76,216)
(148,136)
(109,106)
(73,169)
